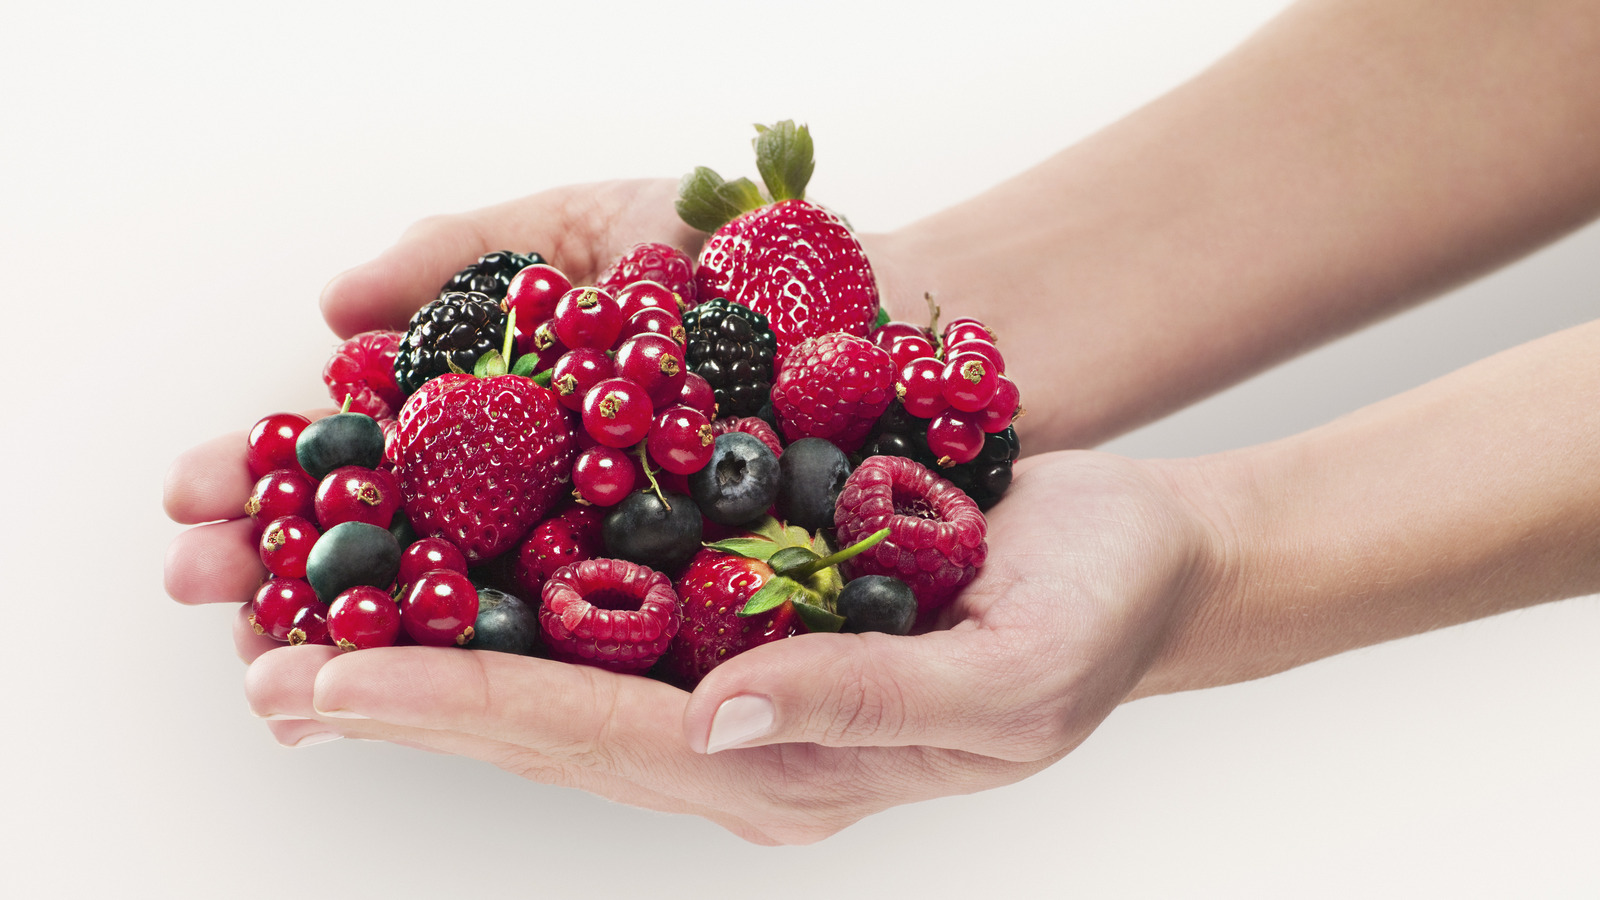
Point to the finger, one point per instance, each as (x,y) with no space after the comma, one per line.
(867,690)
(578,229)
(247,642)
(216,563)
(208,482)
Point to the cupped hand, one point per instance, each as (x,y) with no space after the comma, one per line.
(1094,562)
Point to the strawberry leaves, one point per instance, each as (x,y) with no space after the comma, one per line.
(805,571)
(785,157)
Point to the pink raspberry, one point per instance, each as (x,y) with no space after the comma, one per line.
(664,264)
(362,368)
(756,428)
(834,387)
(936,533)
(608,613)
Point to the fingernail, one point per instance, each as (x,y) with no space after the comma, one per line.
(316,737)
(739,719)
(340,714)
(279,717)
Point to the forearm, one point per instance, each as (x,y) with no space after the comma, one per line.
(1354,157)
(1472,495)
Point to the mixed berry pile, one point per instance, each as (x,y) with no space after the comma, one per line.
(653,473)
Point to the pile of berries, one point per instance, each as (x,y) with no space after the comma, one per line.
(651,474)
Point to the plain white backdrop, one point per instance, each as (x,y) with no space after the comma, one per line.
(178,180)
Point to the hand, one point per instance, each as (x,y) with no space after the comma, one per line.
(1093,561)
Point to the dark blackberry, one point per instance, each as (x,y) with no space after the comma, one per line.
(456,328)
(491,274)
(985,479)
(731,347)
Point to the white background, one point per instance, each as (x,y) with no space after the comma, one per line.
(177,181)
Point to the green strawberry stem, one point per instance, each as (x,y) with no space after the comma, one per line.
(805,569)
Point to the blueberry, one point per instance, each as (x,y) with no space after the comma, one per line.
(877,603)
(350,554)
(345,439)
(811,473)
(642,529)
(505,624)
(741,481)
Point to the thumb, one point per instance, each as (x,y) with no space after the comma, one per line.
(854,690)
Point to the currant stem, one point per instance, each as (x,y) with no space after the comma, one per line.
(654,485)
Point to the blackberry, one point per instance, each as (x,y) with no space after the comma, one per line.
(985,479)
(731,347)
(492,273)
(458,327)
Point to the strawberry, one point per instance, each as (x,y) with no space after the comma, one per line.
(762,586)
(781,255)
(481,459)
(664,264)
(833,387)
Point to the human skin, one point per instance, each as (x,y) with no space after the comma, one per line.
(1353,158)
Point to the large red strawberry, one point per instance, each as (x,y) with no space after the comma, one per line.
(781,255)
(480,460)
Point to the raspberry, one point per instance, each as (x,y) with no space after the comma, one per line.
(362,369)
(756,428)
(609,613)
(936,533)
(665,265)
(833,387)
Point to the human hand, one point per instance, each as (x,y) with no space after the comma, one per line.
(1093,560)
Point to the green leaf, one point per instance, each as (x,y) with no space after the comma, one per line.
(542,379)
(777,591)
(817,618)
(767,527)
(524,365)
(489,365)
(883,317)
(754,548)
(707,202)
(785,158)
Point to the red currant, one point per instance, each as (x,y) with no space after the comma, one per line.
(681,440)
(587,317)
(965,327)
(439,609)
(285,544)
(357,494)
(953,438)
(905,349)
(1000,412)
(281,492)
(617,412)
(271,443)
(655,363)
(602,476)
(651,320)
(533,295)
(546,347)
(363,617)
(576,372)
(698,394)
(427,554)
(646,295)
(310,625)
(969,381)
(982,348)
(276,603)
(921,387)
(889,332)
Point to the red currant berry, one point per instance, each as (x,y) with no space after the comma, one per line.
(271,443)
(363,617)
(1002,410)
(576,372)
(427,554)
(977,347)
(602,476)
(439,609)
(965,327)
(969,382)
(889,332)
(655,363)
(533,295)
(905,349)
(285,544)
(275,604)
(698,394)
(921,387)
(617,412)
(953,438)
(587,317)
(649,295)
(310,625)
(281,492)
(357,494)
(681,440)
(655,321)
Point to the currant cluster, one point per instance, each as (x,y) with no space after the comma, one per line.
(958,386)
(342,563)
